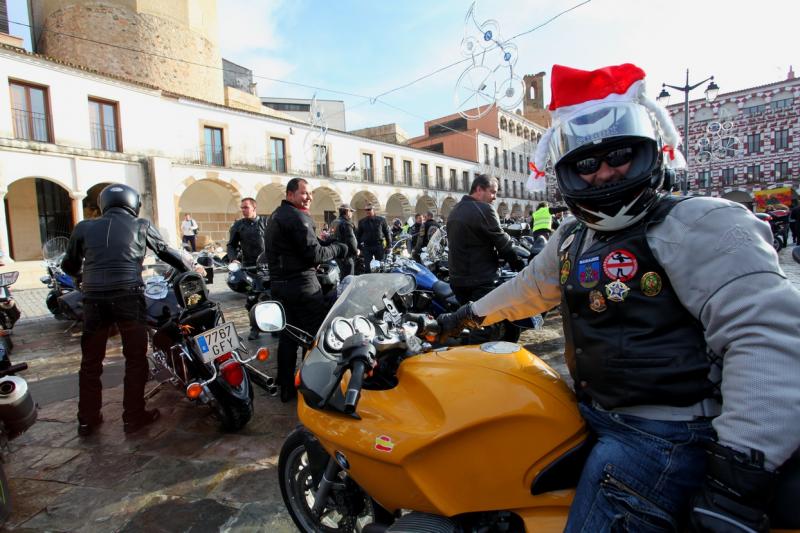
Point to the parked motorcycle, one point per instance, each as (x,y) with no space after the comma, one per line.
(18,412)
(9,314)
(195,349)
(213,258)
(779,227)
(397,437)
(63,300)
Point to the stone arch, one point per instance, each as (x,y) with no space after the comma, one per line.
(325,206)
(424,204)
(503,123)
(527,134)
(516,210)
(213,204)
(38,208)
(360,201)
(447,206)
(90,207)
(398,206)
(519,130)
(269,198)
(502,209)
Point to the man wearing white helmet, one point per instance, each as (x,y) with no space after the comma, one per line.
(659,328)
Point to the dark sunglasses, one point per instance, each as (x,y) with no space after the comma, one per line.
(614,158)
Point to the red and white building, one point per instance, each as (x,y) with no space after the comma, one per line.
(744,142)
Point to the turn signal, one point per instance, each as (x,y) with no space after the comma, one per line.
(262,354)
(193,391)
(430,337)
(297,380)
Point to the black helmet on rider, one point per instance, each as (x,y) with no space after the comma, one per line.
(603,124)
(119,195)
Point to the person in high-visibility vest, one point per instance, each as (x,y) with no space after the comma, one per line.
(541,220)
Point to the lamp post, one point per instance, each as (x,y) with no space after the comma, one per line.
(663,98)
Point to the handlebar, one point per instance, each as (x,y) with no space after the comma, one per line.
(13,369)
(354,387)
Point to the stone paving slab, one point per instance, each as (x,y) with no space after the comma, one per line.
(180,474)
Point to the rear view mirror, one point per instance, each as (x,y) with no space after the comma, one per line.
(9,278)
(268,316)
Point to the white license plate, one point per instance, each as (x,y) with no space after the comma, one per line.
(217,341)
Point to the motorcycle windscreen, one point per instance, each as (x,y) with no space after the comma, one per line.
(364,295)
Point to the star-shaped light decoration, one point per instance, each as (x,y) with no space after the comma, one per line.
(616,291)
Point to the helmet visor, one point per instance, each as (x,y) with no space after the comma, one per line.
(598,124)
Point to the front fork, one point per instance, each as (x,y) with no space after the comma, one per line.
(325,486)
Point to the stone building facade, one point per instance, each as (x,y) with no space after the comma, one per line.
(745,142)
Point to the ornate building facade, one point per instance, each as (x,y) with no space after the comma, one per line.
(745,143)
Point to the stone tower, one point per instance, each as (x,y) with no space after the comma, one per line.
(533,104)
(165,43)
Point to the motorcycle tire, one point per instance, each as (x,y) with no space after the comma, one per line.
(52,305)
(300,466)
(233,413)
(5,497)
(777,243)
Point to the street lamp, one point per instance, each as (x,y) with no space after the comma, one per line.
(663,98)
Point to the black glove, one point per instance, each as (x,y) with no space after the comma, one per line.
(451,324)
(517,264)
(736,493)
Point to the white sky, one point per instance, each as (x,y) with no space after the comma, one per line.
(367,47)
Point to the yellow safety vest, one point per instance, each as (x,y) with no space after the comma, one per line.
(542,219)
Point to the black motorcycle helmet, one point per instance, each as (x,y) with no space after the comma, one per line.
(119,195)
(605,116)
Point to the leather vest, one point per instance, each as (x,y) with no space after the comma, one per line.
(629,341)
(114,248)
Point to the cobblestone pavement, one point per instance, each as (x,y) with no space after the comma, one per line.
(180,474)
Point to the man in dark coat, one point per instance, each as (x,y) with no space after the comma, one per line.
(342,230)
(373,236)
(293,254)
(110,251)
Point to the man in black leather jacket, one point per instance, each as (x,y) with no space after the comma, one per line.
(111,250)
(293,253)
(247,234)
(342,230)
(371,234)
(425,233)
(476,242)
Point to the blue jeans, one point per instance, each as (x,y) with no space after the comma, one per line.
(641,474)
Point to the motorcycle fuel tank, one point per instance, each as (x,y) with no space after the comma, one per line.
(465,429)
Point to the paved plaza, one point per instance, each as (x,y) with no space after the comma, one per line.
(180,474)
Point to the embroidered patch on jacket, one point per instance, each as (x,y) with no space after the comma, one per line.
(621,265)
(597,302)
(589,271)
(565,268)
(616,291)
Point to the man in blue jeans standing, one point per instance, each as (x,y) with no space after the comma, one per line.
(660,326)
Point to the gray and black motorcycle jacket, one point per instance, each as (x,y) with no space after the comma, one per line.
(111,250)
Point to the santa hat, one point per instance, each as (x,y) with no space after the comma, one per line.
(573,91)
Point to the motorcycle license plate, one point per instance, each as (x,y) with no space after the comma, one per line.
(217,341)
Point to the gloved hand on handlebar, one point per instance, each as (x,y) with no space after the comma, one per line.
(451,324)
(736,493)
(517,264)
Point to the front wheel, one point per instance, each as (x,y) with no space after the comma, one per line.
(5,497)
(777,243)
(300,467)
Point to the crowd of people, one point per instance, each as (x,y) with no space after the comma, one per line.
(687,385)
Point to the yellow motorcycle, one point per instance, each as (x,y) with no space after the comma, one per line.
(397,435)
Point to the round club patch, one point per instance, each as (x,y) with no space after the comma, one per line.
(565,268)
(651,284)
(621,265)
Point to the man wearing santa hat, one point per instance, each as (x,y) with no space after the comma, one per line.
(688,382)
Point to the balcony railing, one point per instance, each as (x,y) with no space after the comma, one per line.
(30,125)
(103,137)
(368,175)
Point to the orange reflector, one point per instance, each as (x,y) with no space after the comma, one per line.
(262,354)
(430,337)
(297,380)
(193,391)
